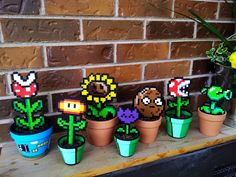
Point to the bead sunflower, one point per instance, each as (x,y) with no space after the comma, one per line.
(99,88)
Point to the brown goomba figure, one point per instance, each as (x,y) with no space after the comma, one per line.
(149,102)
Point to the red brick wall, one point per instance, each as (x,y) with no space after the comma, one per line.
(136,41)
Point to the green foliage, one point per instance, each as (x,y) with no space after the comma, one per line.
(219,55)
(71,126)
(32,122)
(180,102)
(127,130)
(215,94)
(101,112)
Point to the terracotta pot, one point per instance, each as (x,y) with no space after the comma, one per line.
(148,130)
(100,133)
(210,125)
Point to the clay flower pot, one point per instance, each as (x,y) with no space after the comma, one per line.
(100,133)
(148,130)
(210,125)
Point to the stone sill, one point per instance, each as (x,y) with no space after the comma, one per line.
(98,161)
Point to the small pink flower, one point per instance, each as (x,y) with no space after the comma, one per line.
(24,88)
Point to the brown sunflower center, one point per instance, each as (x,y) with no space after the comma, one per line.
(98,89)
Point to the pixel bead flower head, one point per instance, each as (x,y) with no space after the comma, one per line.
(99,88)
(178,87)
(127,116)
(24,88)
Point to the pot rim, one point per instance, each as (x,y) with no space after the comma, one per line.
(94,124)
(74,147)
(127,140)
(13,131)
(149,124)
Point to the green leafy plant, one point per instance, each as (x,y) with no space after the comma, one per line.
(215,94)
(71,107)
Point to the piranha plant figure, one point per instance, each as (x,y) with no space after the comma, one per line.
(177,118)
(210,115)
(31,133)
(71,145)
(126,136)
(98,90)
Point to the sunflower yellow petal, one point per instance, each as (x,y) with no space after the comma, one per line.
(104,77)
(96,99)
(98,77)
(109,81)
(103,100)
(91,78)
(86,81)
(112,86)
(84,92)
(112,94)
(84,86)
(89,98)
(108,97)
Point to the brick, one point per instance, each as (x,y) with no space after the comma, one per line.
(198,83)
(142,52)
(59,96)
(112,30)
(226,29)
(20,57)
(145,8)
(36,30)
(201,100)
(2,85)
(120,73)
(169,30)
(23,7)
(189,49)
(5,109)
(4,133)
(225,11)
(60,79)
(166,70)
(133,89)
(80,7)
(202,67)
(79,55)
(207,10)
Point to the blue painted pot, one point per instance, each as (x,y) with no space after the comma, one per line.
(71,155)
(32,145)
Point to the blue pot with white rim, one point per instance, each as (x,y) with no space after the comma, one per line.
(32,144)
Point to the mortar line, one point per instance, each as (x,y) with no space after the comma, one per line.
(195,30)
(173,8)
(8,84)
(42,8)
(45,57)
(1,34)
(81,26)
(50,103)
(116,8)
(114,53)
(108,18)
(52,44)
(144,29)
(191,68)
(169,50)
(218,10)
(143,66)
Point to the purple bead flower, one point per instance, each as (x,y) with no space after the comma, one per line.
(127,116)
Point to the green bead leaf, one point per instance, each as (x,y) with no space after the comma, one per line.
(120,130)
(93,111)
(106,110)
(18,106)
(80,125)
(20,122)
(38,122)
(62,123)
(134,130)
(37,106)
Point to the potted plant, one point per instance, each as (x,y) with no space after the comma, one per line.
(71,145)
(210,115)
(150,105)
(31,133)
(99,89)
(126,136)
(177,118)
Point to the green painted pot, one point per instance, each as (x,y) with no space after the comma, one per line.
(126,148)
(178,128)
(71,155)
